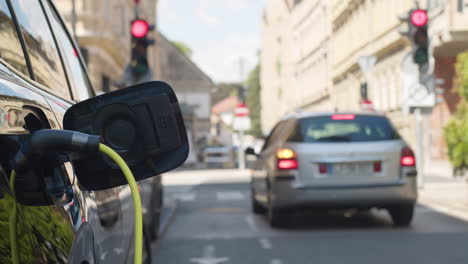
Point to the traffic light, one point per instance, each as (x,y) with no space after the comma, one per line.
(417,22)
(139,55)
(418,19)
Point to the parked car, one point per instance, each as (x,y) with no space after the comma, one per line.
(41,75)
(334,160)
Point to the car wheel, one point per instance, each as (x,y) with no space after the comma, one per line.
(257,208)
(276,217)
(402,215)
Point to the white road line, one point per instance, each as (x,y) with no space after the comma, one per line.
(209,257)
(251,223)
(265,243)
(276,261)
(185,197)
(230,195)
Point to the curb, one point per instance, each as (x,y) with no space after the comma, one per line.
(165,221)
(447,210)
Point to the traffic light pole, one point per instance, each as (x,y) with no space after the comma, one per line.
(419,147)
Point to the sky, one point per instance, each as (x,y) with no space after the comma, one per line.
(219,32)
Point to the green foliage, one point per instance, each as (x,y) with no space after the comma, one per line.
(456,131)
(461,69)
(253,101)
(183,48)
(223,90)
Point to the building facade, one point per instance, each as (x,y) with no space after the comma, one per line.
(192,86)
(295,59)
(329,37)
(102,29)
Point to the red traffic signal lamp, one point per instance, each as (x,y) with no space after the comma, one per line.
(140,28)
(419,18)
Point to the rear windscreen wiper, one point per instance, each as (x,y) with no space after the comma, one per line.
(335,138)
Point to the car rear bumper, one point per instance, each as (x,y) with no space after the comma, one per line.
(287,194)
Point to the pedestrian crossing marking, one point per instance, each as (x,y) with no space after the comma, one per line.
(186,197)
(229,195)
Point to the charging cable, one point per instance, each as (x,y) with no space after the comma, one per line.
(136,200)
(47,141)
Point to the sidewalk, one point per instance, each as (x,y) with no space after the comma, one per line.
(445,195)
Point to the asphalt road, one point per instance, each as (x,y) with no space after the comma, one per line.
(213,224)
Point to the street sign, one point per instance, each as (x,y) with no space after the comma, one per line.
(241,110)
(241,123)
(415,93)
(367,105)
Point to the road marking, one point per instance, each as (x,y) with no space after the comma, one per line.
(276,261)
(251,223)
(265,243)
(209,257)
(229,195)
(185,197)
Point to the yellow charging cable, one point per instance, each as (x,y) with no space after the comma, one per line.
(136,200)
(12,223)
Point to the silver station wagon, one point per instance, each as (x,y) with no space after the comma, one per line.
(334,161)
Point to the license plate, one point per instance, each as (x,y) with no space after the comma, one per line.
(351,169)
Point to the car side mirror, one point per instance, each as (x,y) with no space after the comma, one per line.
(250,151)
(143,123)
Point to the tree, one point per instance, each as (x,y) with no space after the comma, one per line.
(183,48)
(457,128)
(253,101)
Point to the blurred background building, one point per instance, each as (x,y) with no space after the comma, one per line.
(310,51)
(192,86)
(102,29)
(105,40)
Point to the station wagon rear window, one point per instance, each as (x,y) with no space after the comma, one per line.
(343,128)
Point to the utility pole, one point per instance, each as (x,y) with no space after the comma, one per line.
(73,18)
(240,151)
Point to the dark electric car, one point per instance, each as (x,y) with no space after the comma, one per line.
(41,75)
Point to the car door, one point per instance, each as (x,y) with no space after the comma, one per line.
(41,234)
(113,208)
(261,166)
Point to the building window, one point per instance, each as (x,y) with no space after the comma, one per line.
(296,2)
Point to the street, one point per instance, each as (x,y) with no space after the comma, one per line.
(213,224)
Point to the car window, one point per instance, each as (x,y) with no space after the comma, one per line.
(40,45)
(351,129)
(10,46)
(76,73)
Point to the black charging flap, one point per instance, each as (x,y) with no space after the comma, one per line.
(143,123)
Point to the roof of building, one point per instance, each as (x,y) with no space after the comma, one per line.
(225,105)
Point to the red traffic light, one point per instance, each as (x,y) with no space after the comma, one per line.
(419,18)
(140,28)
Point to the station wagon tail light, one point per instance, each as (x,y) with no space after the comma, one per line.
(407,158)
(287,159)
(289,164)
(285,153)
(343,117)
